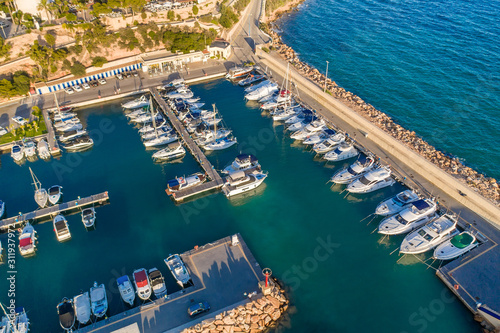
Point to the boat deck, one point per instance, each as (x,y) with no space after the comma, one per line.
(221,275)
(49,212)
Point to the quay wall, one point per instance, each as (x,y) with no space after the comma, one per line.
(453,187)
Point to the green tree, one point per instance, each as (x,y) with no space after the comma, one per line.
(4,48)
(50,39)
(70,17)
(21,81)
(99,61)
(144,16)
(171,15)
(195,10)
(78,69)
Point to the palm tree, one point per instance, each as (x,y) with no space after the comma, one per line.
(47,7)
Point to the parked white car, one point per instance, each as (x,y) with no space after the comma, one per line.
(3,131)
(19,120)
(85,85)
(69,91)
(77,88)
(102,81)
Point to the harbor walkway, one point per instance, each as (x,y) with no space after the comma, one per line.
(49,212)
(51,136)
(222,273)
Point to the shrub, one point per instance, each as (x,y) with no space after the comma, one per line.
(99,61)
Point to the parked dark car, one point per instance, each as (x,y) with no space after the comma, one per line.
(127,74)
(198,308)
(93,83)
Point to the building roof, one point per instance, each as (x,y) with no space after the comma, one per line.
(220,43)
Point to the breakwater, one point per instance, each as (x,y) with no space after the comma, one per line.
(486,186)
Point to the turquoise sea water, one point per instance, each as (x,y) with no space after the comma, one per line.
(434,66)
(340,276)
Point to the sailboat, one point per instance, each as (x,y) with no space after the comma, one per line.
(219,144)
(158,140)
(41,195)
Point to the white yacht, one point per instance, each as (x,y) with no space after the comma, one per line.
(178,269)
(98,300)
(55,194)
(296,127)
(137,113)
(136,103)
(157,282)
(284,114)
(62,116)
(239,182)
(319,137)
(161,140)
(79,144)
(70,126)
(142,284)
(70,135)
(397,203)
(363,165)
(242,162)
(5,325)
(61,228)
(164,130)
(41,195)
(456,246)
(43,149)
(17,152)
(238,72)
(257,86)
(312,128)
(27,241)
(181,183)
(82,307)
(419,213)
(150,128)
(430,235)
(29,148)
(373,180)
(146,118)
(305,114)
(220,144)
(64,125)
(88,217)
(21,321)
(66,312)
(329,144)
(265,90)
(251,79)
(126,289)
(174,150)
(342,152)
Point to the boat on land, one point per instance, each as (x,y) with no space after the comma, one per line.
(342,152)
(329,144)
(29,148)
(82,307)
(419,213)
(172,151)
(181,183)
(55,194)
(136,103)
(178,270)
(456,246)
(70,135)
(373,180)
(41,195)
(61,228)
(251,79)
(240,182)
(238,72)
(17,152)
(142,284)
(242,162)
(98,300)
(27,241)
(88,217)
(126,289)
(397,203)
(79,144)
(66,312)
(354,171)
(430,235)
(157,282)
(43,149)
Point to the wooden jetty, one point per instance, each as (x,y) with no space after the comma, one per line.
(13,222)
(216,180)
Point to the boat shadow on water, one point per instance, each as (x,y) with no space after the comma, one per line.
(168,161)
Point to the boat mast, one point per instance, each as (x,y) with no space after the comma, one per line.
(11,321)
(152,115)
(215,123)
(36,182)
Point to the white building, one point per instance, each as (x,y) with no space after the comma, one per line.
(220,48)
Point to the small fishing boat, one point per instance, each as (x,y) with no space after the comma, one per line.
(17,152)
(29,148)
(251,79)
(136,103)
(419,213)
(329,144)
(61,228)
(456,246)
(178,269)
(142,284)
(397,203)
(79,144)
(82,307)
(55,194)
(242,162)
(220,144)
(88,217)
(430,235)
(342,152)
(373,180)
(239,182)
(126,289)
(41,195)
(319,137)
(157,282)
(27,239)
(238,72)
(98,300)
(43,149)
(355,170)
(66,313)
(2,208)
(21,321)
(66,109)
(70,135)
(174,150)
(181,183)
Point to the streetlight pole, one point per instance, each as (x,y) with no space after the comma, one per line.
(326,76)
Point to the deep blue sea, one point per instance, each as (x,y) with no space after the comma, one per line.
(434,66)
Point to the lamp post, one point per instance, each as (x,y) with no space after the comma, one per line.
(326,76)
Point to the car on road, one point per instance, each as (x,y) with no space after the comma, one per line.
(77,88)
(69,91)
(94,83)
(3,131)
(85,85)
(102,81)
(19,120)
(198,308)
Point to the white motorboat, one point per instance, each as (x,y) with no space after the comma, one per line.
(17,152)
(242,162)
(88,217)
(61,228)
(2,208)
(29,148)
(315,126)
(419,213)
(191,100)
(300,125)
(64,123)
(157,282)
(21,321)
(184,94)
(430,235)
(251,79)
(27,241)
(70,135)
(79,144)
(342,152)
(212,121)
(55,194)
(319,137)
(209,136)
(178,270)
(165,130)
(126,289)
(142,284)
(70,126)
(271,104)
(257,86)
(329,144)
(137,113)
(98,300)
(41,195)
(305,114)
(146,118)
(161,140)
(181,183)
(261,92)
(43,149)
(196,105)
(397,203)
(239,182)
(238,72)
(456,246)
(136,103)
(363,165)
(66,312)
(220,144)
(82,307)
(371,181)
(62,116)
(151,128)
(174,150)
(284,114)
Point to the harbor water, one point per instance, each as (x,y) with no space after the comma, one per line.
(341,277)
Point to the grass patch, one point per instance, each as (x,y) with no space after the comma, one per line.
(25,131)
